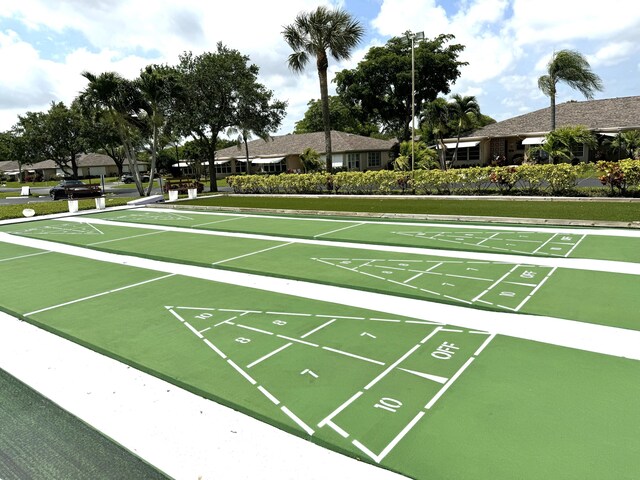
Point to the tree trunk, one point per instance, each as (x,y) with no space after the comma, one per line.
(213,185)
(246,154)
(154,154)
(552,96)
(324,98)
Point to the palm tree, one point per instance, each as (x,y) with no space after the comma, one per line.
(571,67)
(122,102)
(321,33)
(436,118)
(463,110)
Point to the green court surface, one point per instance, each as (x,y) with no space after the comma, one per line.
(418,395)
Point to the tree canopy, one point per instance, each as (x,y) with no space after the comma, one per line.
(342,117)
(381,83)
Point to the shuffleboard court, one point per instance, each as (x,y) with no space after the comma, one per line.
(428,390)
(605,244)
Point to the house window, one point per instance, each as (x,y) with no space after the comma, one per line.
(577,150)
(373,159)
(241,167)
(353,161)
(468,154)
(278,167)
(223,168)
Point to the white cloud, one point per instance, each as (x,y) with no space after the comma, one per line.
(612,54)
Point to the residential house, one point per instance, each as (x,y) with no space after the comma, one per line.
(282,153)
(512,138)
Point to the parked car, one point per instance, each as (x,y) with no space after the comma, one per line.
(128,178)
(73,189)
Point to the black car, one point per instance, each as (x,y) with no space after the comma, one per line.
(73,189)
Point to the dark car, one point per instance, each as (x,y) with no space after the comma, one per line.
(74,189)
(128,178)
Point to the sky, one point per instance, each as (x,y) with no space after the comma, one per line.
(45,44)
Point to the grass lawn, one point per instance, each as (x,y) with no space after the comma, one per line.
(46,208)
(573,210)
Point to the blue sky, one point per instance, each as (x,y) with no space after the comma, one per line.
(45,45)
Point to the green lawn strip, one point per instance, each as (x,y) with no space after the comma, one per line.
(574,210)
(528,410)
(518,402)
(41,441)
(398,233)
(60,206)
(9,251)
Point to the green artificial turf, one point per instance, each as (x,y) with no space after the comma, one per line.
(575,210)
(41,441)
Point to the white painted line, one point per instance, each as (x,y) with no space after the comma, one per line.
(428,376)
(456,330)
(435,266)
(428,337)
(448,384)
(102,242)
(535,290)
(340,409)
(215,349)
(495,283)
(358,357)
(190,327)
(290,314)
(386,320)
(365,450)
(337,429)
(99,294)
(295,418)
(220,221)
(391,367)
(228,320)
(200,308)
(414,277)
(241,371)
(423,322)
(574,246)
(340,317)
(252,253)
(400,436)
(338,230)
(318,328)
(488,238)
(175,314)
(298,341)
(23,256)
(278,350)
(544,244)
(267,394)
(246,327)
(484,344)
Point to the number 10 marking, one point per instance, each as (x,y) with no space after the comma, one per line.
(389,404)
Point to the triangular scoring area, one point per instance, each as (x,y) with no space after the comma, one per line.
(143,216)
(503,241)
(502,285)
(61,228)
(338,373)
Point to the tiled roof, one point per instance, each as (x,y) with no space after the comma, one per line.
(9,166)
(295,144)
(607,114)
(83,160)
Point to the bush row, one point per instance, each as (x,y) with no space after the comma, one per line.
(561,179)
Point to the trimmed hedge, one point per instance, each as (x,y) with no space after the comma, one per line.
(561,179)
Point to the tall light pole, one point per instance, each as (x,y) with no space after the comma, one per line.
(413,37)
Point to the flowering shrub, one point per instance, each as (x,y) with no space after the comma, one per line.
(504,178)
(619,175)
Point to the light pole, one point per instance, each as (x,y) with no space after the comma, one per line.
(413,37)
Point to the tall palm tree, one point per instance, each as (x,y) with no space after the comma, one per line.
(436,118)
(572,68)
(319,34)
(463,110)
(122,102)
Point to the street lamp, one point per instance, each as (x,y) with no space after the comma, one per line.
(417,36)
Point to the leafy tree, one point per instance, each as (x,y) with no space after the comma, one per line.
(320,34)
(257,114)
(122,102)
(381,83)
(572,68)
(53,135)
(462,110)
(6,146)
(559,143)
(626,144)
(211,84)
(342,118)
